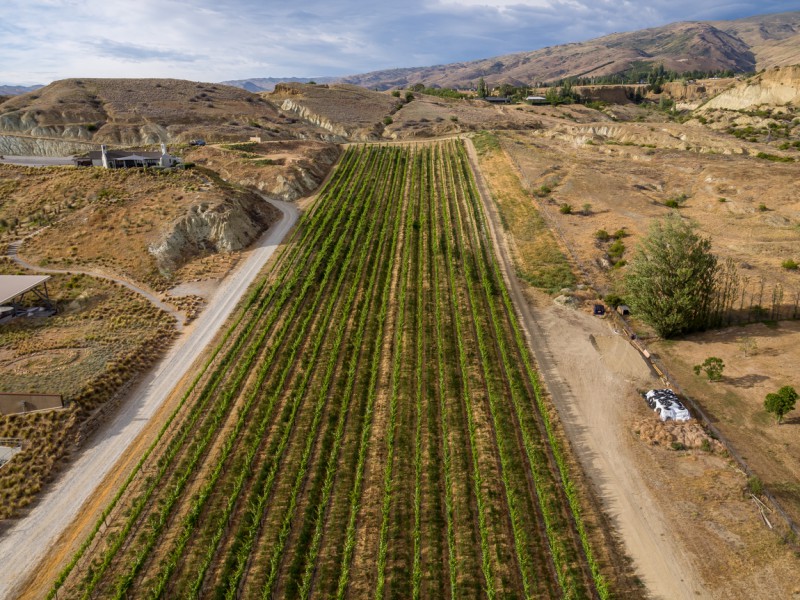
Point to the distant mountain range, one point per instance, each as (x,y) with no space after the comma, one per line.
(267,84)
(743,45)
(16,90)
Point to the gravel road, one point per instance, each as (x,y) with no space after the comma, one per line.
(28,540)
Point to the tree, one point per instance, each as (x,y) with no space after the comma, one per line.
(712,366)
(781,402)
(748,345)
(672,279)
(483,90)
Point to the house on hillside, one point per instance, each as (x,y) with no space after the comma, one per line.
(125,159)
(498,100)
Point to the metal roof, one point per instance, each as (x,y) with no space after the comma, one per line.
(12,286)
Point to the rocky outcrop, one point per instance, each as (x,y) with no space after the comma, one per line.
(776,87)
(296,181)
(686,138)
(18,145)
(306,114)
(225,227)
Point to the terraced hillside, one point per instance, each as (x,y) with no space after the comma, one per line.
(371,425)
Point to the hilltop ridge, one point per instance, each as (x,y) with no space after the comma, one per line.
(743,45)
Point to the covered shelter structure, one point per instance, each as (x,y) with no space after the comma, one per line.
(14,288)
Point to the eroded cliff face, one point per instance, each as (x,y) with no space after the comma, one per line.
(226,227)
(19,145)
(773,88)
(307,114)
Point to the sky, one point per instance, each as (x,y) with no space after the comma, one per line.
(216,40)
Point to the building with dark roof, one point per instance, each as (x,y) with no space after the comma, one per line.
(125,159)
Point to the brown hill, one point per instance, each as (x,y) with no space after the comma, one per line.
(742,45)
(144,111)
(346,111)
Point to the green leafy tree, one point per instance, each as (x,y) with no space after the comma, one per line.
(483,90)
(671,281)
(713,368)
(781,402)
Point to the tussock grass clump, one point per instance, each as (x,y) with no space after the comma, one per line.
(102,337)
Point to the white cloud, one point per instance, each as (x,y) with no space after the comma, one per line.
(212,40)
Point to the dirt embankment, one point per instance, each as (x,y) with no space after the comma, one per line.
(225,227)
(776,87)
(347,111)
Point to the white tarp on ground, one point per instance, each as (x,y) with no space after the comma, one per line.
(667,405)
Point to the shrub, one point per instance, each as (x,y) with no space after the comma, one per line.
(713,368)
(616,250)
(790,264)
(762,207)
(409,96)
(396,93)
(614,300)
(774,158)
(587,209)
(453,118)
(542,191)
(705,445)
(676,201)
(722,199)
(748,345)
(620,233)
(565,209)
(387,120)
(678,446)
(755,486)
(602,235)
(781,402)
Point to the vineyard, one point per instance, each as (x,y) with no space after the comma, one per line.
(370,426)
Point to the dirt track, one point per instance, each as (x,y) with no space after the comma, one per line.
(13,254)
(587,387)
(64,514)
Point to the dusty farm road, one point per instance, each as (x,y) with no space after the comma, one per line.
(34,548)
(587,388)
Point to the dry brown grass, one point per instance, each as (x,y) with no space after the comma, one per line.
(736,403)
(538,258)
(102,336)
(136,111)
(628,185)
(99,219)
(346,110)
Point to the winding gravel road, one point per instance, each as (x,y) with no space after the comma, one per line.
(28,541)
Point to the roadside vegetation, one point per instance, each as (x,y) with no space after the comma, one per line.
(370,425)
(102,336)
(538,256)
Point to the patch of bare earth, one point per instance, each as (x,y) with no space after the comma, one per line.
(736,403)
